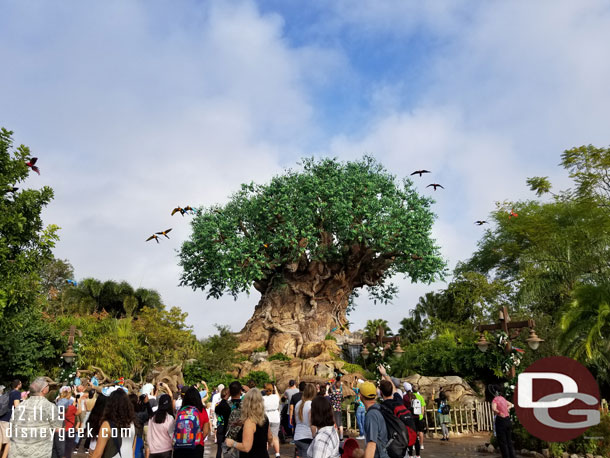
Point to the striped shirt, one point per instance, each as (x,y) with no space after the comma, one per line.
(325,444)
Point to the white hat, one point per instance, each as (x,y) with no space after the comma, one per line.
(407,386)
(221,387)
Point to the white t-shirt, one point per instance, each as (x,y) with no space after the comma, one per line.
(303,429)
(178,404)
(215,400)
(272,407)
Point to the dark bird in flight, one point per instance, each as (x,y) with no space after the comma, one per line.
(164,232)
(178,209)
(188,208)
(416,257)
(435,185)
(31,165)
(512,213)
(480,223)
(420,172)
(156,237)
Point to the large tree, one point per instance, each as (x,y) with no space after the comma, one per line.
(306,241)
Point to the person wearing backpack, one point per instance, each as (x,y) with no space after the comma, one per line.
(160,431)
(442,414)
(375,431)
(394,407)
(418,407)
(192,426)
(117,434)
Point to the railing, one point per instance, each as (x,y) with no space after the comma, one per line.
(464,419)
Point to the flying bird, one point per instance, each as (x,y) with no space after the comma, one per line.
(512,213)
(164,232)
(178,209)
(435,185)
(31,165)
(480,223)
(420,172)
(188,208)
(156,237)
(71,282)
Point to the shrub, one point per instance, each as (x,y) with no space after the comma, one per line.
(279,357)
(329,337)
(259,377)
(260,350)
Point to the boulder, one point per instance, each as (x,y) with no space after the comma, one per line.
(259,356)
(546,453)
(491,449)
(282,343)
(457,390)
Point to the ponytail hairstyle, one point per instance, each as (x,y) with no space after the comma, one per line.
(308,394)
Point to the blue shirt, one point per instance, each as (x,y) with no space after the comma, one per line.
(376,431)
(94,381)
(77,381)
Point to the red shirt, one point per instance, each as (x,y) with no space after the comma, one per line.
(203,419)
(70,416)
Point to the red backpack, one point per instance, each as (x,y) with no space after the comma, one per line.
(406,417)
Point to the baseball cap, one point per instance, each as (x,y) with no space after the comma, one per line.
(407,386)
(368,390)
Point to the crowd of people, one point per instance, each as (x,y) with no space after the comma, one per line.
(240,421)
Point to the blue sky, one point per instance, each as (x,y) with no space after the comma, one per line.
(134,107)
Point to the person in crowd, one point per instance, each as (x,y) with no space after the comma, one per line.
(325,443)
(204,391)
(420,424)
(375,431)
(360,410)
(143,412)
(193,405)
(161,429)
(336,399)
(94,380)
(293,402)
(501,408)
(398,393)
(35,414)
(442,418)
(82,417)
(322,390)
(222,412)
(291,390)
(117,434)
(391,401)
(255,434)
(63,444)
(303,433)
(77,380)
(14,399)
(234,423)
(271,399)
(94,422)
(216,397)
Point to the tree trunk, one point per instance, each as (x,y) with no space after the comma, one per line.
(305,308)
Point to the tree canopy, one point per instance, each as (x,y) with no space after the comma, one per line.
(354,216)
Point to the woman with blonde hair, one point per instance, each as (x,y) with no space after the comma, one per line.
(303,433)
(253,438)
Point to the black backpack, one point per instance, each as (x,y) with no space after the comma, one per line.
(398,442)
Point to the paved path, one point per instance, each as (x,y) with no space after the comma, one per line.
(434,448)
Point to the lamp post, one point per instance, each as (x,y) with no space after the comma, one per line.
(505,324)
(69,355)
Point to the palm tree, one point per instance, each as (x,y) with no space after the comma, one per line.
(370,330)
(586,325)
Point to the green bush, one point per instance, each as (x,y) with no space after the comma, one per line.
(260,350)
(259,377)
(279,357)
(329,337)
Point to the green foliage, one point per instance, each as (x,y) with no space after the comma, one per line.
(30,345)
(260,349)
(279,357)
(25,245)
(357,368)
(586,325)
(219,352)
(54,276)
(259,378)
(119,299)
(372,327)
(330,337)
(345,214)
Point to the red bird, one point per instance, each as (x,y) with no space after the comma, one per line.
(511,214)
(31,165)
(435,185)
